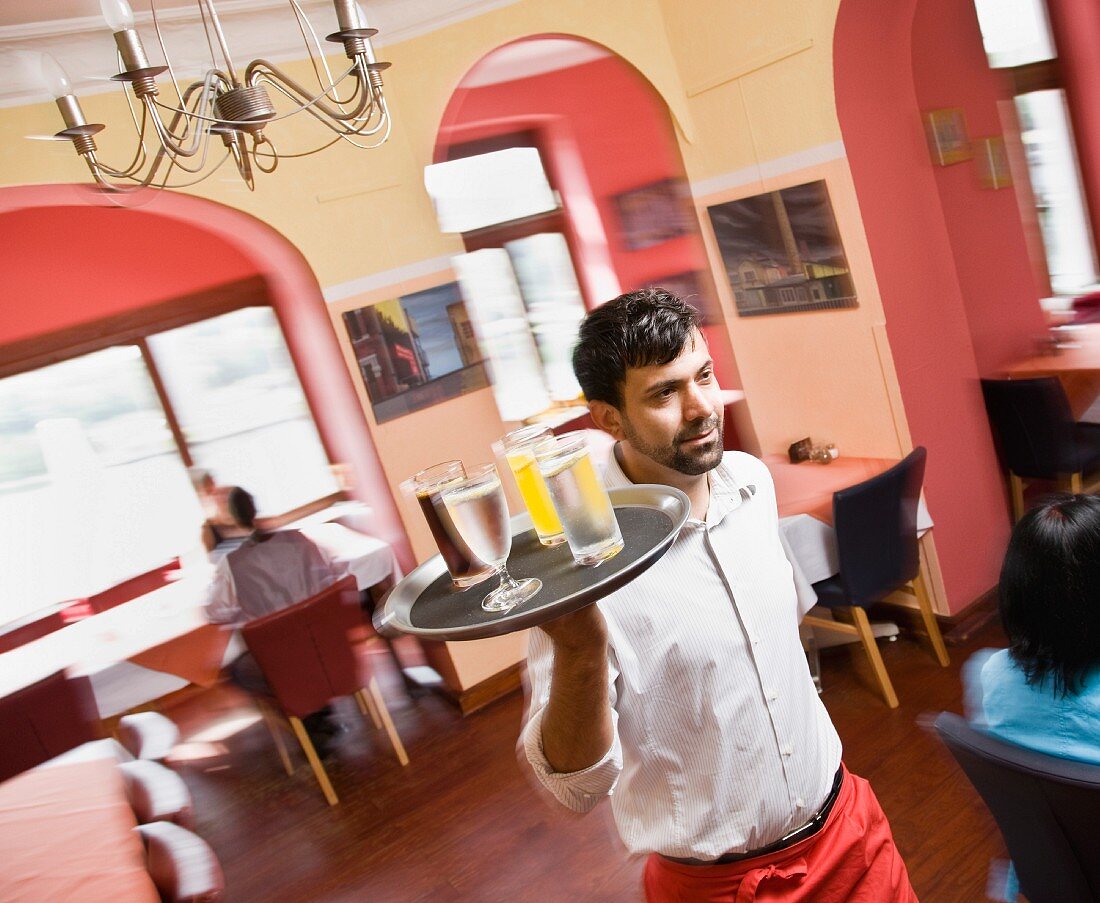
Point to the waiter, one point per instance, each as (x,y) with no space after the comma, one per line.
(687,692)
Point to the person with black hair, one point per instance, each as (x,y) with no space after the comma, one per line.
(686,696)
(270,571)
(1043,691)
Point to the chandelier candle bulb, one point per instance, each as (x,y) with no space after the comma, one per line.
(118,14)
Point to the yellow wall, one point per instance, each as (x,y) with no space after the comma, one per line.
(748,84)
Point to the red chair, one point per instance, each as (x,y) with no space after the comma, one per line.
(306,655)
(45,720)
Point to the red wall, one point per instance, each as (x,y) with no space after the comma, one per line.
(603,130)
(65,265)
(984,227)
(916,253)
(68,265)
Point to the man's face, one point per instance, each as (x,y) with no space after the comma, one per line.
(672,413)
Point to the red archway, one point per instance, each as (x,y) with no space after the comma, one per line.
(74,256)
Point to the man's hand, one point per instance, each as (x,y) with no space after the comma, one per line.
(582,631)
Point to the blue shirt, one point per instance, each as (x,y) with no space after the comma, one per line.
(1000,701)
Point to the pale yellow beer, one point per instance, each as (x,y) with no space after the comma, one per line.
(519,452)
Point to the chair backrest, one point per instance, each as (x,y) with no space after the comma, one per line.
(582,422)
(304,651)
(876,530)
(1045,807)
(45,720)
(1033,425)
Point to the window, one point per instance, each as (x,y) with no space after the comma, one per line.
(1015,32)
(93,483)
(92,488)
(244,417)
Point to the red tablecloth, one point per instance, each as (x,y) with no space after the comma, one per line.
(66,833)
(807,487)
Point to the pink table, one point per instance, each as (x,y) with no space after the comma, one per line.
(807,488)
(1078,368)
(66,833)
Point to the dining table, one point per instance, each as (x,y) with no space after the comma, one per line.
(1075,360)
(67,833)
(161,642)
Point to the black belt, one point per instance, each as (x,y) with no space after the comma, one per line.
(789,840)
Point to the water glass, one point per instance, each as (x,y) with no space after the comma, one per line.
(465,568)
(518,449)
(479,510)
(580,499)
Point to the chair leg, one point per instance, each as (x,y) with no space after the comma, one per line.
(931,625)
(387,722)
(276,731)
(1016,485)
(863,627)
(367,707)
(314,762)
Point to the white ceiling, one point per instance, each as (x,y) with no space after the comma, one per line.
(75,33)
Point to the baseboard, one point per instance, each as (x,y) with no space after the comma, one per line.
(488,691)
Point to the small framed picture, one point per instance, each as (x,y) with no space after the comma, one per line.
(655,213)
(947,139)
(991,158)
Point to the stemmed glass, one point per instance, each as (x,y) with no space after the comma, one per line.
(479,510)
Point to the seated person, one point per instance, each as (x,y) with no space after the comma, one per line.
(219,530)
(267,573)
(1043,692)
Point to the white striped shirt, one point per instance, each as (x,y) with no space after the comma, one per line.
(721,742)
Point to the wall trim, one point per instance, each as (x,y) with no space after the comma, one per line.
(768,169)
(761,61)
(387,278)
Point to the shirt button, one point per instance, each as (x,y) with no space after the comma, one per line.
(772,695)
(800,803)
(787,750)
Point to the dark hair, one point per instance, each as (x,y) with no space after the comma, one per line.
(1050,592)
(639,329)
(242,507)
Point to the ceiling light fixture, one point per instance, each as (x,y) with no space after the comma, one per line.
(234,108)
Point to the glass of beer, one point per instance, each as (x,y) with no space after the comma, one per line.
(580,499)
(480,512)
(518,449)
(464,566)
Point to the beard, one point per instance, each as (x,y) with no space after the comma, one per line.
(691,461)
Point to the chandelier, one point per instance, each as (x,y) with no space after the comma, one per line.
(225,106)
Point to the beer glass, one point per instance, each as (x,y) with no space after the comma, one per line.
(580,499)
(465,568)
(480,512)
(517,448)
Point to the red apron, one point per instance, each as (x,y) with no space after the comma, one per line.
(852,859)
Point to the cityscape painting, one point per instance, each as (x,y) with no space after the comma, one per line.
(415,351)
(782,252)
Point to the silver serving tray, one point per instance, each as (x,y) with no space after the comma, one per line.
(426,604)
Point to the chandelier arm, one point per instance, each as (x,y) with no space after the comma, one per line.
(140,156)
(164,52)
(303,25)
(208,8)
(168,139)
(276,77)
(340,129)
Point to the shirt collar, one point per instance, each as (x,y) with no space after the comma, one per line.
(726,493)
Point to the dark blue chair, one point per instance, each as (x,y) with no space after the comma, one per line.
(1037,435)
(878,550)
(1045,807)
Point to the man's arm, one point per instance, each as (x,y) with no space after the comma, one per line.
(576,726)
(570,738)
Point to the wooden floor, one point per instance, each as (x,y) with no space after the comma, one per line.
(464,822)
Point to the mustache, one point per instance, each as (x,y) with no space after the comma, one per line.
(711,423)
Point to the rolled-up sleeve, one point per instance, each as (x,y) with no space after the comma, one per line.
(581,790)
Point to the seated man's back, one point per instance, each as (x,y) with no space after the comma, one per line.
(271,571)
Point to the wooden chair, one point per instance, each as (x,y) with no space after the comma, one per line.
(1037,436)
(305,653)
(876,535)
